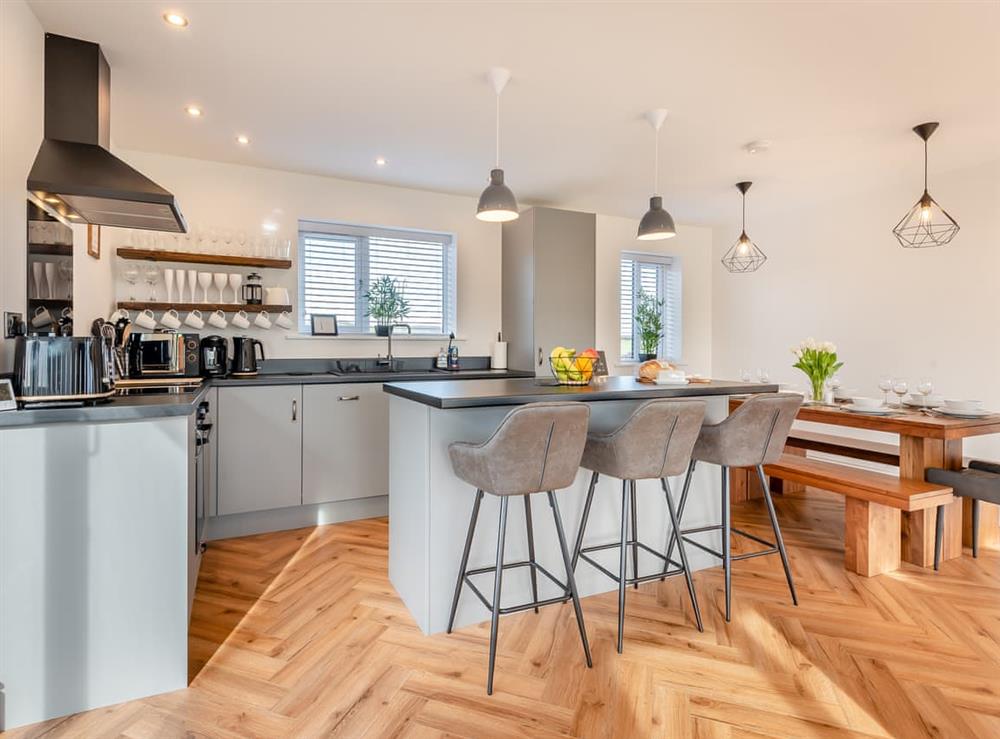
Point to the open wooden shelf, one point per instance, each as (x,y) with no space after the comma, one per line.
(57,250)
(128,252)
(51,302)
(141,305)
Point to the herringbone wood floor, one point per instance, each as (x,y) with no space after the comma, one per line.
(300,634)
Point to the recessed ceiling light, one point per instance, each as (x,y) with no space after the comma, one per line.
(757,147)
(194,111)
(243,139)
(51,200)
(72,215)
(175,19)
(380,161)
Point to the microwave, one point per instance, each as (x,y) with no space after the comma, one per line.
(164,354)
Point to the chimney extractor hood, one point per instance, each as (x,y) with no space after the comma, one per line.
(74,171)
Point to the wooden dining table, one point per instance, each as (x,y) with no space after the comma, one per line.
(926,439)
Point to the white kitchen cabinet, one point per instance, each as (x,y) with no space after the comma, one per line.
(259,448)
(345,442)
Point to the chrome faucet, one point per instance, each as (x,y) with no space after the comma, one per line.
(388,360)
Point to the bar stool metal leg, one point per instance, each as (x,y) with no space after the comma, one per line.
(465,558)
(938,534)
(583,520)
(726,544)
(975,527)
(570,578)
(778,540)
(635,534)
(622,561)
(531,549)
(676,524)
(680,516)
(501,533)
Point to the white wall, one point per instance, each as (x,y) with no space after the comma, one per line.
(21,80)
(237,197)
(836,272)
(693,246)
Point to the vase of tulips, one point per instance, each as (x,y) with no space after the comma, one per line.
(818,360)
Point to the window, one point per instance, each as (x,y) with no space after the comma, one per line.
(338,261)
(660,278)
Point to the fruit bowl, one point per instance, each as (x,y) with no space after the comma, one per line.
(572,369)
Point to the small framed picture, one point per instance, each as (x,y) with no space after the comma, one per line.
(324,324)
(601,365)
(94,241)
(7,400)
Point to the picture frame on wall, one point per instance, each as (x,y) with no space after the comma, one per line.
(324,324)
(94,241)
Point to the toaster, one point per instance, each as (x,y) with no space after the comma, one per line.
(61,370)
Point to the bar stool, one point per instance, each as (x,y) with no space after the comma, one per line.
(654,443)
(752,436)
(979,481)
(537,448)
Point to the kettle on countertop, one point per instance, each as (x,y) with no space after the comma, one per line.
(245,356)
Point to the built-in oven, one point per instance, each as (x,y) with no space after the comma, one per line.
(202,464)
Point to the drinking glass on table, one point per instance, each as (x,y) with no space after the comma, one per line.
(900,387)
(885,385)
(762,375)
(925,388)
(835,384)
(745,375)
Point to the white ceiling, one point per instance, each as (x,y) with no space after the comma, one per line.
(326,87)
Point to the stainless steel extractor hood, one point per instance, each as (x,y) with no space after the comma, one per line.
(74,172)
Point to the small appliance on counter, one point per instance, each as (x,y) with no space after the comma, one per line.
(61,370)
(245,356)
(163,354)
(214,356)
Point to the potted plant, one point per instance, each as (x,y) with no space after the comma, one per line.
(386,303)
(649,322)
(818,360)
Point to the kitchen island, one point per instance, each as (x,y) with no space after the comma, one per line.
(429,507)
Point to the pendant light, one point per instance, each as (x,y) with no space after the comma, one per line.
(657,223)
(926,223)
(497,203)
(744,255)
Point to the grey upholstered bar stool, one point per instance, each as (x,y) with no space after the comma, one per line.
(752,436)
(654,443)
(980,481)
(537,448)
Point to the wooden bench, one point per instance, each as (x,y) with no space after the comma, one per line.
(801,441)
(873,502)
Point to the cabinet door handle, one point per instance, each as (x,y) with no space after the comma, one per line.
(349,397)
(295,410)
(539,356)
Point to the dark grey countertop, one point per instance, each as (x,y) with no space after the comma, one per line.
(139,407)
(518,391)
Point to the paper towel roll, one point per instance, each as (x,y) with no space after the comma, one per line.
(499,360)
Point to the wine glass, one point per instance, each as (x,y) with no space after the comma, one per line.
(130,273)
(885,385)
(65,270)
(221,279)
(925,387)
(241,239)
(235,280)
(227,239)
(151,274)
(763,376)
(212,234)
(204,281)
(835,385)
(900,387)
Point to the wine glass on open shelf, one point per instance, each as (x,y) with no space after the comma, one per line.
(151,274)
(130,273)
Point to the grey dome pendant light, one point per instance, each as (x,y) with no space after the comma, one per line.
(497,203)
(657,223)
(926,223)
(744,255)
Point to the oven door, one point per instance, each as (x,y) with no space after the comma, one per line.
(159,356)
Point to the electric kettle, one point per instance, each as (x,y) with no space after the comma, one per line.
(245,356)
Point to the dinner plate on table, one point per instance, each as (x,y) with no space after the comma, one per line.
(880,411)
(964,414)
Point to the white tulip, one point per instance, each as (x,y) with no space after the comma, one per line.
(797,353)
(809,343)
(829,346)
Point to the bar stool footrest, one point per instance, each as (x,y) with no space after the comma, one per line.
(772,548)
(631,580)
(524,606)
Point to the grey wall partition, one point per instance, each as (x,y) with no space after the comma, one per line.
(549,283)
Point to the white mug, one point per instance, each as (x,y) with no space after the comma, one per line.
(146,319)
(171,319)
(194,319)
(284,320)
(218,319)
(41,318)
(241,319)
(263,320)
(118,315)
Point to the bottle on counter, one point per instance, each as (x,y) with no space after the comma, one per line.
(442,359)
(452,353)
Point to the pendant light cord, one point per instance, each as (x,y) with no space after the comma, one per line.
(744,228)
(498,130)
(925,165)
(656,161)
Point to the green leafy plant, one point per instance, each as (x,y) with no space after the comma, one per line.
(818,360)
(386,303)
(649,321)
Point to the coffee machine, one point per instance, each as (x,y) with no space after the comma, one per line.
(214,356)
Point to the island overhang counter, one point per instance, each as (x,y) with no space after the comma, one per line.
(429,506)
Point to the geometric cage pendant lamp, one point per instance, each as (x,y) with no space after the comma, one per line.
(744,255)
(497,203)
(927,223)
